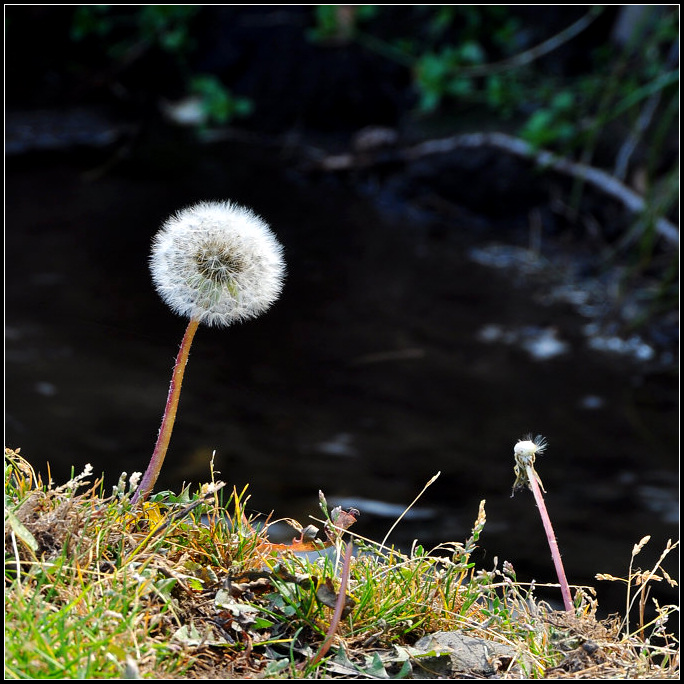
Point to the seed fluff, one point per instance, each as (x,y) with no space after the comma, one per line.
(217,263)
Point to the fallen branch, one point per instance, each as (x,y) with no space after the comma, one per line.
(601,180)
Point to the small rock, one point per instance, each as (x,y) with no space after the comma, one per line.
(447,654)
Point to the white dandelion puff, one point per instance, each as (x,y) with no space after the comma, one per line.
(529,448)
(525,452)
(217,263)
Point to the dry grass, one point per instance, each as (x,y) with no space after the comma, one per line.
(189,587)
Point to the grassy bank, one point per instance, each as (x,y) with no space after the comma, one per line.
(188,586)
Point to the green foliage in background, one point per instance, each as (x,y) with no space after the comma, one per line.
(469,60)
(481,60)
(470,56)
(439,61)
(219,104)
(129,33)
(460,56)
(167,26)
(339,22)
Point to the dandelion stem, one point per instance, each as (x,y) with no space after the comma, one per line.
(553,543)
(339,607)
(152,473)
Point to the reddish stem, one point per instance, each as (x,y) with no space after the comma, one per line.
(153,469)
(553,544)
(339,607)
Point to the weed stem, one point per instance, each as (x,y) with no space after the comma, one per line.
(339,607)
(553,543)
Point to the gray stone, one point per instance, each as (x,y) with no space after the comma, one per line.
(445,654)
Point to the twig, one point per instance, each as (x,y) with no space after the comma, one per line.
(643,121)
(408,508)
(630,144)
(521,59)
(529,56)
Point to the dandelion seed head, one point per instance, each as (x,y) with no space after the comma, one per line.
(217,262)
(530,447)
(525,452)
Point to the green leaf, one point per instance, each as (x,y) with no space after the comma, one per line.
(376,668)
(219,104)
(472,53)
(564,100)
(262,623)
(20,530)
(460,87)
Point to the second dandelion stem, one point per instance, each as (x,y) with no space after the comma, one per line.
(152,473)
(551,537)
(526,452)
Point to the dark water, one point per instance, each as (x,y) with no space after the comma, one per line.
(392,355)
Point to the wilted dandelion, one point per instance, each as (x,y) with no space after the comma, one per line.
(525,452)
(216,263)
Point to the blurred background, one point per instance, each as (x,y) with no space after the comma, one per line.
(445,295)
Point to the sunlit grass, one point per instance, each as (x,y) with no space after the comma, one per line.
(191,587)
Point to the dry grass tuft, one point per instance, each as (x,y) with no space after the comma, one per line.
(191,587)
